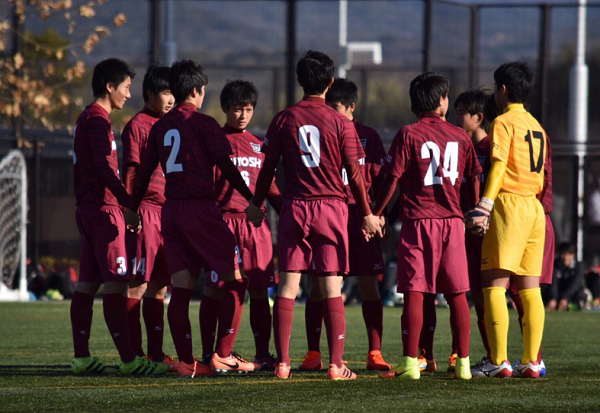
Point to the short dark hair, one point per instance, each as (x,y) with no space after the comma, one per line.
(490,110)
(342,91)
(474,102)
(239,93)
(314,71)
(567,248)
(518,79)
(184,76)
(113,71)
(426,90)
(156,80)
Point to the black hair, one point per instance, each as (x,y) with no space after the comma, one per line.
(156,80)
(474,102)
(184,76)
(490,110)
(314,71)
(113,71)
(518,79)
(342,91)
(426,90)
(567,248)
(239,93)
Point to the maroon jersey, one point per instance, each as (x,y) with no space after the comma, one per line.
(431,157)
(482,150)
(545,196)
(95,160)
(248,158)
(315,142)
(135,139)
(187,143)
(372,163)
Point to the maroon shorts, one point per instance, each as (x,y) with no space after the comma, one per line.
(473,244)
(432,257)
(548,263)
(313,235)
(196,237)
(103,253)
(146,250)
(366,257)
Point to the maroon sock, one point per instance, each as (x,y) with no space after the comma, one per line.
(179,322)
(373,316)
(115,315)
(81,322)
(313,317)
(260,322)
(230,315)
(429,324)
(412,322)
(283,315)
(153,311)
(335,322)
(209,313)
(459,313)
(134,306)
(480,310)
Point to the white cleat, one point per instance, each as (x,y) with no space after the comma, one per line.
(489,369)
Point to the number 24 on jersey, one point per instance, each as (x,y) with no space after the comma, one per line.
(430,150)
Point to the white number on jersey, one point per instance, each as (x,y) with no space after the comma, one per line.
(139,267)
(172,138)
(345,176)
(310,144)
(450,167)
(122,263)
(246,176)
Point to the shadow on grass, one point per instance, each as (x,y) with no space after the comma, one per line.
(33,370)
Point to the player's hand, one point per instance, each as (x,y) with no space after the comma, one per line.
(132,221)
(478,219)
(372,226)
(254,214)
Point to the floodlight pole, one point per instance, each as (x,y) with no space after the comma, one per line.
(427,35)
(474,48)
(291,54)
(343,66)
(154,31)
(170,45)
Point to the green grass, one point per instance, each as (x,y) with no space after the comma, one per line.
(36,351)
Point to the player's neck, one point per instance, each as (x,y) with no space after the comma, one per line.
(104,102)
(478,135)
(319,96)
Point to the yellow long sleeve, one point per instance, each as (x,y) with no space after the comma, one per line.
(495,180)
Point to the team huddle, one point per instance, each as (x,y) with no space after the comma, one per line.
(191,199)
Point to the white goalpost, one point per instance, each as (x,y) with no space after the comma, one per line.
(13,227)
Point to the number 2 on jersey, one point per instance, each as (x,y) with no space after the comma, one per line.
(172,138)
(430,150)
(310,144)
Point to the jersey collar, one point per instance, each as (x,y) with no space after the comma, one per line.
(150,112)
(313,99)
(430,115)
(187,106)
(229,130)
(514,106)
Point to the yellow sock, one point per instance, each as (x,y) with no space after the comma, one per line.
(533,323)
(496,322)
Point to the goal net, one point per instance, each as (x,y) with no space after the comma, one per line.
(13,227)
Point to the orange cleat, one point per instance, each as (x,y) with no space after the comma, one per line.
(282,371)
(426,365)
(167,359)
(233,363)
(196,369)
(337,373)
(375,361)
(452,362)
(268,362)
(312,361)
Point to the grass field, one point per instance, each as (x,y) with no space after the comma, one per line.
(36,351)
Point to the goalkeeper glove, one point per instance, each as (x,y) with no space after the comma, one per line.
(478,219)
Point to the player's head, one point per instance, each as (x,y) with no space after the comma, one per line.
(155,89)
(342,96)
(187,79)
(470,107)
(567,251)
(513,83)
(112,79)
(490,110)
(315,72)
(238,100)
(429,93)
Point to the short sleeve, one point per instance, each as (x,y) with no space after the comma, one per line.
(272,145)
(215,141)
(398,158)
(131,144)
(500,141)
(351,149)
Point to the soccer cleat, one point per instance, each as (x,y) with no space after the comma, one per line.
(489,369)
(340,373)
(375,361)
(542,368)
(206,359)
(166,359)
(90,365)
(143,367)
(282,371)
(312,361)
(268,362)
(463,369)
(530,370)
(195,369)
(233,363)
(408,370)
(452,362)
(426,365)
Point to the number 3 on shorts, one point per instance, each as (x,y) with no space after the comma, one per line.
(122,266)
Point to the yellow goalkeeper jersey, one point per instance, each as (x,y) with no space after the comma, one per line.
(517,139)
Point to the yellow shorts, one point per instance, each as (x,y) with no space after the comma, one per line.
(515,240)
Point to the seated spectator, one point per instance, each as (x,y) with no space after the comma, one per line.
(567,284)
(592,282)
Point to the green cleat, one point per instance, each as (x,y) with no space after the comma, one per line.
(408,369)
(463,368)
(90,365)
(143,367)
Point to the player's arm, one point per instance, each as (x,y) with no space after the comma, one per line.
(263,184)
(144,173)
(131,156)
(232,174)
(274,196)
(371,224)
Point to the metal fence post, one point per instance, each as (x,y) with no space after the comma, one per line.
(291,54)
(427,35)
(474,48)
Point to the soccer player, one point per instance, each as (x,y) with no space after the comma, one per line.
(238,100)
(188,144)
(315,142)
(366,258)
(101,203)
(514,243)
(429,160)
(147,260)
